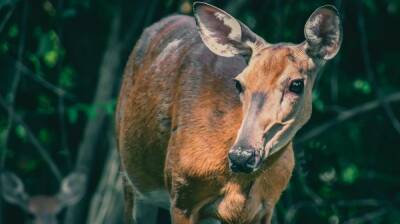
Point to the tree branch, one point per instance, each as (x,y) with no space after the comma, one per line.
(370,72)
(35,142)
(38,78)
(14,85)
(346,115)
(294,209)
(367,217)
(106,206)
(109,67)
(13,90)
(6,18)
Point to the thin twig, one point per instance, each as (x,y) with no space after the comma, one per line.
(370,72)
(380,177)
(38,78)
(294,208)
(345,115)
(366,202)
(306,189)
(61,101)
(6,18)
(13,90)
(334,80)
(14,85)
(35,142)
(367,217)
(63,134)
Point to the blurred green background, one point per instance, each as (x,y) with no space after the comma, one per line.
(61,63)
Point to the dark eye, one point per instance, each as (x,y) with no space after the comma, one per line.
(297,86)
(238,86)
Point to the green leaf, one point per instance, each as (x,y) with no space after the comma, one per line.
(44,136)
(110,107)
(66,79)
(362,86)
(20,131)
(13,31)
(325,191)
(49,8)
(68,13)
(350,174)
(91,111)
(4,47)
(45,104)
(49,47)
(51,58)
(72,113)
(370,5)
(36,63)
(44,42)
(317,102)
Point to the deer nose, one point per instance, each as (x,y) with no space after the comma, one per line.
(243,160)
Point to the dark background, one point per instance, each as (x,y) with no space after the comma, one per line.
(60,69)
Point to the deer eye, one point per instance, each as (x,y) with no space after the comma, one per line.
(296,86)
(239,86)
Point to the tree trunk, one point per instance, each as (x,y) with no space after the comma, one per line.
(107,203)
(108,73)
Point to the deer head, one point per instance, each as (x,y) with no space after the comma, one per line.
(44,208)
(276,86)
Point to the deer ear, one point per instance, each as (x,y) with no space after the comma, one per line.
(323,33)
(222,33)
(72,188)
(13,190)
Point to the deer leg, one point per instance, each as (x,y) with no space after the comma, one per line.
(144,213)
(179,217)
(137,211)
(267,217)
(128,204)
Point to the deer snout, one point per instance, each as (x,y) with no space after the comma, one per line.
(244,160)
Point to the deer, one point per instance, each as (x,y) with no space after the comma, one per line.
(44,208)
(207,113)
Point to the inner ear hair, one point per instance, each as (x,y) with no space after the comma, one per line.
(223,34)
(247,56)
(323,33)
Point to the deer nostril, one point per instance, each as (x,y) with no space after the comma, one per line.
(242,160)
(251,159)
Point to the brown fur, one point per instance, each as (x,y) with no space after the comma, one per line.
(178,116)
